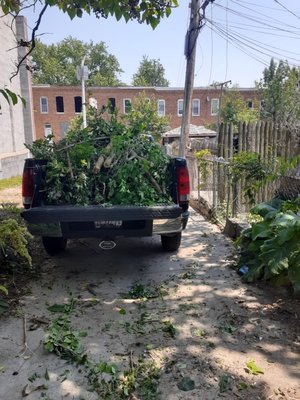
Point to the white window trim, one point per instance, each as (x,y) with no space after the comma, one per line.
(198,114)
(164,103)
(179,100)
(41,110)
(124,105)
(211,108)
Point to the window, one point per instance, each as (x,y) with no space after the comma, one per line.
(126,105)
(214,106)
(64,127)
(59,104)
(47,130)
(161,108)
(78,104)
(249,104)
(44,105)
(112,104)
(179,107)
(196,108)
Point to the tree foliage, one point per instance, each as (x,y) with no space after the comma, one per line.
(55,64)
(143,117)
(150,73)
(235,109)
(143,11)
(280,94)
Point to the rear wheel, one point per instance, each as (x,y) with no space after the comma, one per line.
(54,245)
(171,243)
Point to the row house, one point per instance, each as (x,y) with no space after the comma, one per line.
(56,106)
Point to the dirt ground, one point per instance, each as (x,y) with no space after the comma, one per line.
(209,335)
(11,196)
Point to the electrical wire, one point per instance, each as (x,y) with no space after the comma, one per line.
(264,21)
(226,57)
(259,44)
(286,9)
(211,47)
(243,49)
(259,13)
(250,28)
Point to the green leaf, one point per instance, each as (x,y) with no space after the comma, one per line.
(225,383)
(294,272)
(46,375)
(4,94)
(263,209)
(3,307)
(122,311)
(168,11)
(261,230)
(253,369)
(13,96)
(243,385)
(79,13)
(3,289)
(57,308)
(186,384)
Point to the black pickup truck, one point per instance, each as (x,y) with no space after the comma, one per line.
(58,223)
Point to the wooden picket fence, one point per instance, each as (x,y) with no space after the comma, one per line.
(262,138)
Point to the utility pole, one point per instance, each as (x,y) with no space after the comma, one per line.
(83,75)
(196,23)
(221,84)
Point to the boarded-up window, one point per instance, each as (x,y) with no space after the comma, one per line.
(59,104)
(63,127)
(78,104)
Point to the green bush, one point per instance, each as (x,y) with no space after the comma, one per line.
(271,248)
(14,240)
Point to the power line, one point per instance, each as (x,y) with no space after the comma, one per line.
(259,13)
(288,10)
(264,21)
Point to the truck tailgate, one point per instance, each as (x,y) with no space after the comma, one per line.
(51,214)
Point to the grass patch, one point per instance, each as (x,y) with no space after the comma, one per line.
(10,182)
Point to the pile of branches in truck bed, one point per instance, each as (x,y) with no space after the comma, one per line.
(105,163)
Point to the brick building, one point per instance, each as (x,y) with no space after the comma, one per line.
(55,106)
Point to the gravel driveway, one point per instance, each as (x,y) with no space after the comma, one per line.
(153,324)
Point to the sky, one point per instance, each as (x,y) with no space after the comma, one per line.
(236,43)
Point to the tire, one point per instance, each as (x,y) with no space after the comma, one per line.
(54,245)
(171,243)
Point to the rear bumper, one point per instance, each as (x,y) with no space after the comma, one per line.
(91,221)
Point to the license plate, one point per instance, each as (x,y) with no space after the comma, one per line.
(108,224)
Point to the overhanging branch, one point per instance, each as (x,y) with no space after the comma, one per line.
(30,43)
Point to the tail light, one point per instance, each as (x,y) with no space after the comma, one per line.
(28,184)
(183,184)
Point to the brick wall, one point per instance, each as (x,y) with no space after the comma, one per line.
(59,121)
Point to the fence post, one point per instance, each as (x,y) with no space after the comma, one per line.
(215,186)
(220,177)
